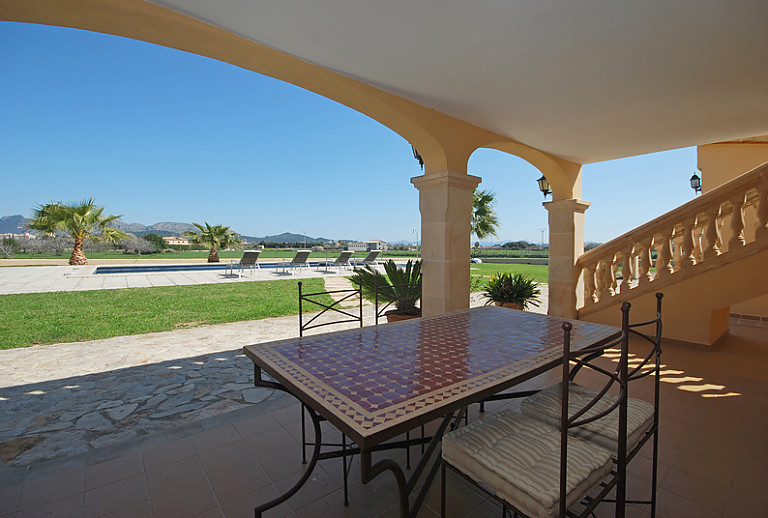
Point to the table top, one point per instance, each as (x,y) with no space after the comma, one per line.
(376,382)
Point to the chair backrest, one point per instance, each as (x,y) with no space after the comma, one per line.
(320,299)
(301,257)
(619,377)
(372,255)
(250,257)
(344,257)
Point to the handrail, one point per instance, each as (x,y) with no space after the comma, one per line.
(691,234)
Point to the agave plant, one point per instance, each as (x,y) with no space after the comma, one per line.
(512,288)
(400,286)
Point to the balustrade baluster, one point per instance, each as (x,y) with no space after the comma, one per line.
(590,295)
(601,281)
(613,268)
(712,234)
(762,213)
(645,260)
(737,222)
(663,244)
(626,269)
(688,253)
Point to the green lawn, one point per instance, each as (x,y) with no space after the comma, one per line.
(46,318)
(538,272)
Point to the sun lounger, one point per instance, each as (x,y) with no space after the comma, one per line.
(250,260)
(370,259)
(300,259)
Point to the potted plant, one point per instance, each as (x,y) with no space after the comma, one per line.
(400,287)
(512,290)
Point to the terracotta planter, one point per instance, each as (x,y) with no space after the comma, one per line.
(395,316)
(513,305)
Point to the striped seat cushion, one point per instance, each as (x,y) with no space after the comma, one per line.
(518,459)
(545,406)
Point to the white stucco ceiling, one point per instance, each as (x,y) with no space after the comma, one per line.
(586,80)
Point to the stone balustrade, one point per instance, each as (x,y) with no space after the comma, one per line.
(727,221)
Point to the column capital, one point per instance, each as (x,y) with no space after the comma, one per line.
(571,205)
(446,178)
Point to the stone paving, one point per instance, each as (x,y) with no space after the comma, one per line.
(64,399)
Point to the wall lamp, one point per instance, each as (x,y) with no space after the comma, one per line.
(695,183)
(544,186)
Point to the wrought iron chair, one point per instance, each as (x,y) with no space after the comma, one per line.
(540,470)
(642,416)
(320,299)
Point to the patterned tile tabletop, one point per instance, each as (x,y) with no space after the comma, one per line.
(374,378)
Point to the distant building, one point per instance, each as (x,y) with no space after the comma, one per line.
(172,240)
(367,246)
(25,235)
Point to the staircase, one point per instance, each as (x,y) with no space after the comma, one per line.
(704,256)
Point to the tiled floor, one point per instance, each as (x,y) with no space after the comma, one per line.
(713,459)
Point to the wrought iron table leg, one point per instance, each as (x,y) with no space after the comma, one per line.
(369,472)
(257,511)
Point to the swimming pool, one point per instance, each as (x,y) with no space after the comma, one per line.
(150,268)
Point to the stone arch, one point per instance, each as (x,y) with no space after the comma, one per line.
(564,176)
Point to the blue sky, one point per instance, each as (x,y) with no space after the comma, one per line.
(156,134)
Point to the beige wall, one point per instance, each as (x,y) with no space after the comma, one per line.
(720,163)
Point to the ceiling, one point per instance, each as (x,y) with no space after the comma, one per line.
(586,81)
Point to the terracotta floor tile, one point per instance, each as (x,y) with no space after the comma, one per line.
(225,457)
(139,510)
(186,501)
(283,463)
(115,496)
(256,425)
(671,505)
(113,470)
(741,506)
(319,485)
(9,499)
(242,506)
(69,507)
(215,438)
(697,489)
(168,453)
(174,476)
(276,439)
(243,479)
(716,466)
(287,415)
(210,513)
(52,487)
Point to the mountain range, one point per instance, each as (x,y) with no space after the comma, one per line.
(15,225)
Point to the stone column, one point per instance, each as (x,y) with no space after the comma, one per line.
(566,244)
(445,202)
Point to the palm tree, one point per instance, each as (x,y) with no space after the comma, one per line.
(484,222)
(217,236)
(83,222)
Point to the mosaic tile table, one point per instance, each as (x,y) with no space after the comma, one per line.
(374,383)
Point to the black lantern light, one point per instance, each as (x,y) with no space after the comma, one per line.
(544,186)
(695,183)
(417,156)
